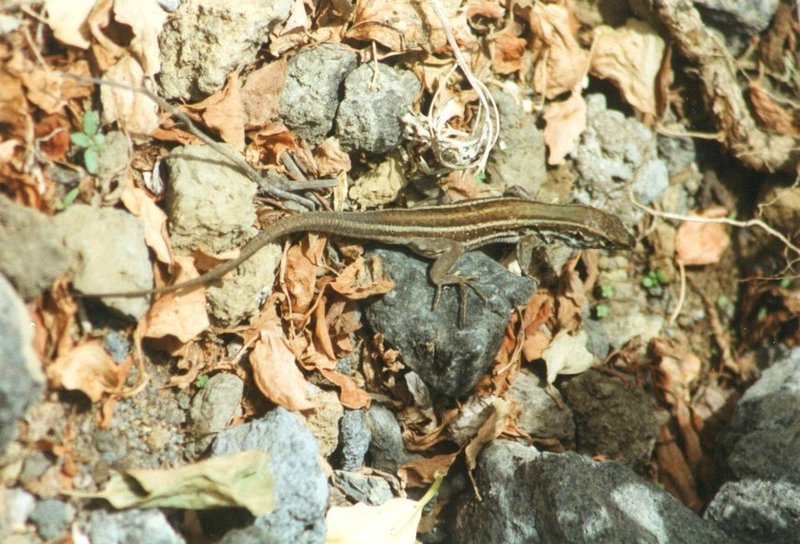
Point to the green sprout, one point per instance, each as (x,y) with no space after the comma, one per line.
(601,311)
(69,199)
(762,314)
(201,381)
(723,301)
(607,291)
(785,283)
(654,278)
(90,140)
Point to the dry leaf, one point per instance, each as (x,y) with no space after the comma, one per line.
(274,369)
(261,94)
(774,117)
(567,354)
(393,522)
(507,49)
(330,159)
(179,315)
(361,279)
(224,112)
(562,64)
(153,219)
(88,368)
(242,480)
(630,56)
(146,19)
(351,395)
(503,414)
(424,470)
(67,20)
(566,121)
(134,112)
(301,272)
(702,243)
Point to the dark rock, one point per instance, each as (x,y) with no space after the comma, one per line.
(757,511)
(612,419)
(301,490)
(449,359)
(530,497)
(539,414)
(764,435)
(387,451)
(22,379)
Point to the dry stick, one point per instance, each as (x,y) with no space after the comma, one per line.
(717,73)
(192,128)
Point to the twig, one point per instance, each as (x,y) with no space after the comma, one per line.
(681,294)
(192,128)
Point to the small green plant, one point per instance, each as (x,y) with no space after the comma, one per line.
(785,283)
(601,311)
(654,278)
(723,301)
(762,314)
(69,199)
(607,291)
(90,140)
(201,381)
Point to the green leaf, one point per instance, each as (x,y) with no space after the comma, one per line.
(80,139)
(91,122)
(90,160)
(99,140)
(785,283)
(69,198)
(242,480)
(601,311)
(201,381)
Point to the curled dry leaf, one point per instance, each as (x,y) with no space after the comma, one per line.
(351,395)
(361,279)
(146,19)
(261,94)
(88,368)
(224,112)
(630,56)
(565,122)
(507,49)
(561,63)
(67,20)
(134,112)
(274,369)
(567,354)
(179,315)
(301,271)
(774,117)
(702,243)
(152,218)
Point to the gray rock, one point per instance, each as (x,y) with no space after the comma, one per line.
(614,152)
(16,506)
(206,40)
(450,359)
(387,451)
(214,406)
(31,254)
(107,253)
(301,490)
(149,526)
(518,158)
(376,97)
(612,419)
(539,414)
(311,93)
(355,437)
(757,511)
(530,497)
(742,19)
(365,489)
(114,157)
(52,517)
(764,435)
(22,380)
(210,205)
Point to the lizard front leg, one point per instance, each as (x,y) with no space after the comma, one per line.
(445,254)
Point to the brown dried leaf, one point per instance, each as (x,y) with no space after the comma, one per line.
(134,112)
(506,50)
(361,279)
(88,368)
(224,112)
(566,121)
(772,116)
(274,369)
(146,19)
(153,219)
(562,64)
(702,243)
(261,94)
(68,21)
(630,56)
(503,415)
(424,470)
(330,159)
(674,472)
(179,315)
(351,395)
(301,272)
